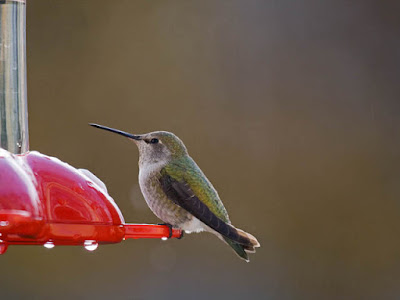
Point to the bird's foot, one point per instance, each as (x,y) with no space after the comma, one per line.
(169,227)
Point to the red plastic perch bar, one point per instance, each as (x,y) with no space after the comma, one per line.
(146,231)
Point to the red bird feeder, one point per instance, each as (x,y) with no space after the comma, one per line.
(44,201)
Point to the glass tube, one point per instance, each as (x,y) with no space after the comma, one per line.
(13,101)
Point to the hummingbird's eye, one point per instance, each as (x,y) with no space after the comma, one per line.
(153,141)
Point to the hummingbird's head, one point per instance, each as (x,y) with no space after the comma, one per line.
(154,147)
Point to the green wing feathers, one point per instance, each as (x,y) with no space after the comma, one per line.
(185,169)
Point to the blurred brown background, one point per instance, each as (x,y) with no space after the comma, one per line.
(292,110)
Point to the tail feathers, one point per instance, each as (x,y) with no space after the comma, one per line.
(253,241)
(239,249)
(242,249)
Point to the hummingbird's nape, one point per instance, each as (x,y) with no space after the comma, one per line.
(126,134)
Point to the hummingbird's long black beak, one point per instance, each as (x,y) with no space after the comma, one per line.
(128,135)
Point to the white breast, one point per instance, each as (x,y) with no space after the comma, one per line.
(148,170)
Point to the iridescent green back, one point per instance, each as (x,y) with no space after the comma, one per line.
(184,169)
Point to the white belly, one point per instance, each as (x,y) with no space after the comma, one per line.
(193,225)
(158,202)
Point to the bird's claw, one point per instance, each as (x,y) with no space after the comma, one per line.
(169,227)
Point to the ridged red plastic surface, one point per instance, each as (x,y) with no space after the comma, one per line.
(44,200)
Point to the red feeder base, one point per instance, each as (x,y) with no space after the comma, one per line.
(44,201)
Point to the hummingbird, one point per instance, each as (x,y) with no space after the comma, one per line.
(178,192)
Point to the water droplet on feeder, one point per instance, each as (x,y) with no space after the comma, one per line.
(90,245)
(164,238)
(4,223)
(3,247)
(91,184)
(49,245)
